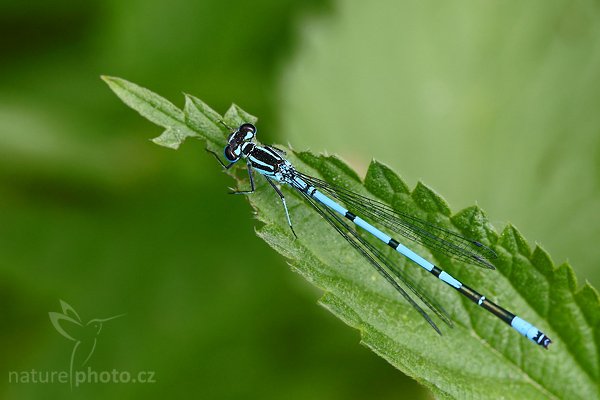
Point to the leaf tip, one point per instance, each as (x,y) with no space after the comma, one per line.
(110,80)
(429,200)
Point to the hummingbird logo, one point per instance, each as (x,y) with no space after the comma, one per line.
(84,335)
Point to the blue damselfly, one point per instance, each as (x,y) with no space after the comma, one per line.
(327,200)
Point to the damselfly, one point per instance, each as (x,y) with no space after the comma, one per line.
(327,200)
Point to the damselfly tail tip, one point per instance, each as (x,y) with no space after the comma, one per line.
(542,339)
(546,342)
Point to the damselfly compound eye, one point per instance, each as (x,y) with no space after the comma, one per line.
(247,128)
(230,153)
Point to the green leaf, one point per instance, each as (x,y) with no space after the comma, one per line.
(201,118)
(481,357)
(156,109)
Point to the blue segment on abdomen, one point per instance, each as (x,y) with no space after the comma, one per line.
(329,203)
(371,229)
(450,280)
(525,328)
(405,251)
(299,183)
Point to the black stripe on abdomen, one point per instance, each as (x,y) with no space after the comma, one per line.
(483,302)
(393,243)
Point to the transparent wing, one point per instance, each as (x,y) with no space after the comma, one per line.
(381,264)
(430,235)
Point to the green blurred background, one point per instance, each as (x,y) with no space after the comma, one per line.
(488,102)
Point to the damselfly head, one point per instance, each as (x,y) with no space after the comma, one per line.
(237,140)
